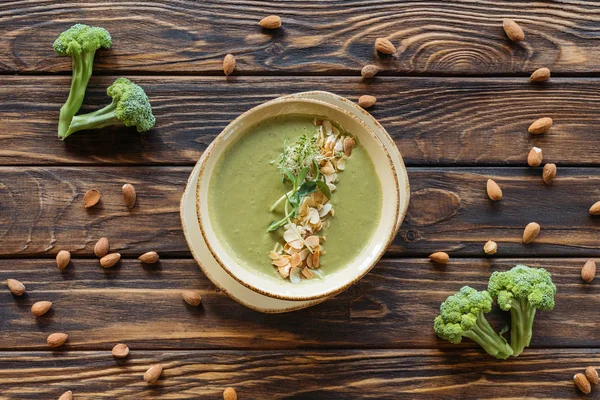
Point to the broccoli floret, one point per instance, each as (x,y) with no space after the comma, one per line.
(522,290)
(462,315)
(80,42)
(129,107)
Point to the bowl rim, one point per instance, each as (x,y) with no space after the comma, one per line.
(356,277)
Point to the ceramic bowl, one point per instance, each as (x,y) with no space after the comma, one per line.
(331,283)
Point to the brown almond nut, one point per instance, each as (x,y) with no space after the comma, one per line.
(91,198)
(540,75)
(582,383)
(120,350)
(68,395)
(540,126)
(40,308)
(490,247)
(57,339)
(369,71)
(153,373)
(535,157)
(366,101)
(110,260)
(229,394)
(270,22)
(192,297)
(532,230)
(228,64)
(348,144)
(384,46)
(101,248)
(595,209)
(150,257)
(129,195)
(440,257)
(588,272)
(592,375)
(16,287)
(62,259)
(549,173)
(493,190)
(513,30)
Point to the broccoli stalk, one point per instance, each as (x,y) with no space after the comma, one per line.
(522,290)
(462,315)
(80,42)
(129,107)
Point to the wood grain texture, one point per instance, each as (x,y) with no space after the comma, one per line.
(392,307)
(351,374)
(434,121)
(436,37)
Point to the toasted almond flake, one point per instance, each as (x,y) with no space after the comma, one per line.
(296,244)
(296,260)
(348,146)
(328,127)
(332,187)
(339,145)
(341,164)
(331,178)
(274,256)
(309,261)
(287,249)
(280,262)
(314,216)
(325,210)
(315,259)
(290,235)
(312,241)
(319,198)
(303,254)
(295,273)
(328,168)
(284,270)
(307,273)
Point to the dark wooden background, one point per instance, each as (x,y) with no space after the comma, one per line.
(456,100)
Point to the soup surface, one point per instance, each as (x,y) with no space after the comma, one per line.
(245,184)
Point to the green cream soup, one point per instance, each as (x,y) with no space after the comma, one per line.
(245,184)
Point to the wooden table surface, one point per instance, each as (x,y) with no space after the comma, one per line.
(455,98)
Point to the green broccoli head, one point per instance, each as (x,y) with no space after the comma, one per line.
(132,105)
(81,38)
(523,283)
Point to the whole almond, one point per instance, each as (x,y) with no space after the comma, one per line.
(57,339)
(62,259)
(588,272)
(150,257)
(366,101)
(40,308)
(16,287)
(229,394)
(549,173)
(513,30)
(228,64)
(91,198)
(592,375)
(532,230)
(540,75)
(440,257)
(270,22)
(384,46)
(101,248)
(153,373)
(120,350)
(493,190)
(582,383)
(369,71)
(191,297)
(110,260)
(68,395)
(595,209)
(129,195)
(540,126)
(490,247)
(535,157)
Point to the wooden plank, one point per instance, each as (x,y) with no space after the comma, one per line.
(434,37)
(392,307)
(434,121)
(383,374)
(41,211)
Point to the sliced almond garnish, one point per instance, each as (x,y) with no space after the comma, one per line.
(295,273)
(327,169)
(307,273)
(295,260)
(309,261)
(314,216)
(331,186)
(303,254)
(315,259)
(341,164)
(339,146)
(284,271)
(296,244)
(325,210)
(312,241)
(328,127)
(280,262)
(290,235)
(319,198)
(274,256)
(331,178)
(348,146)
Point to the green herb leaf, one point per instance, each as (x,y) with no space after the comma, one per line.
(290,176)
(302,176)
(307,188)
(324,188)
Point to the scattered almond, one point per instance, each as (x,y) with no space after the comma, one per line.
(549,173)
(369,71)
(192,297)
(91,198)
(366,101)
(57,339)
(101,248)
(62,259)
(532,230)
(440,257)
(540,126)
(490,247)
(384,46)
(588,272)
(348,144)
(592,375)
(229,394)
(68,395)
(153,373)
(228,64)
(129,195)
(40,308)
(16,287)
(270,22)
(493,190)
(150,257)
(535,157)
(110,260)
(540,75)
(513,30)
(120,350)
(582,383)
(595,209)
